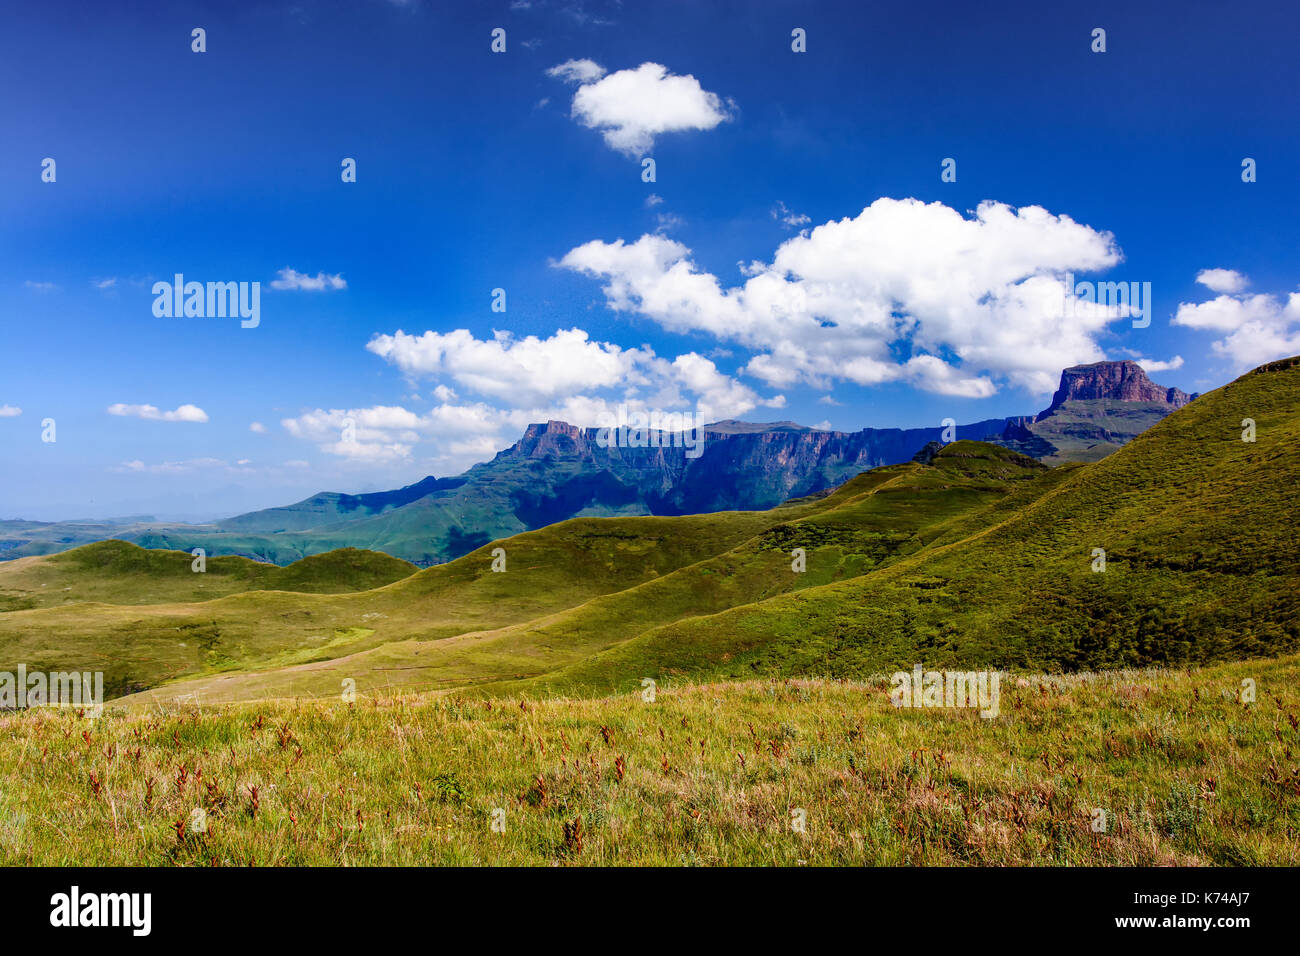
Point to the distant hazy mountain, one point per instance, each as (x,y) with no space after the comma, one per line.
(558,471)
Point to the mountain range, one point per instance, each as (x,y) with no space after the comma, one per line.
(558,471)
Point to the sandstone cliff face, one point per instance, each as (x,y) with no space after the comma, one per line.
(1097,409)
(1117,381)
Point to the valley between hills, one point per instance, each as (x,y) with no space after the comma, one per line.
(971,554)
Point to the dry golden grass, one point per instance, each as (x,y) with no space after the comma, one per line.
(1187,773)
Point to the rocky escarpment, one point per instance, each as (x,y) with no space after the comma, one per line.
(1097,409)
(736,466)
(744,465)
(1114,381)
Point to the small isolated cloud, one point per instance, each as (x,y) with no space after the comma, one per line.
(1152,366)
(631,107)
(257,428)
(244,461)
(105,283)
(827,400)
(786,216)
(293,280)
(10,411)
(577,71)
(185,413)
(40,286)
(667,221)
(1222,280)
(653,200)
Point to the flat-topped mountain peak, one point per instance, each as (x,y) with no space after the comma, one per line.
(1117,381)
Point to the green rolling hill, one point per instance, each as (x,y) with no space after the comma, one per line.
(118,572)
(1202,564)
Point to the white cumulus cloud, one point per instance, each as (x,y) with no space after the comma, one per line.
(521,370)
(1222,280)
(566,375)
(631,107)
(969,302)
(1258,327)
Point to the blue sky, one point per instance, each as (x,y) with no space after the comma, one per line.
(789,261)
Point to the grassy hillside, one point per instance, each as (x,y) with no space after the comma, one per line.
(117,572)
(1179,767)
(141,645)
(867,523)
(1202,563)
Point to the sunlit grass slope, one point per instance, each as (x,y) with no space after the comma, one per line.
(1202,562)
(1143,768)
(117,572)
(867,523)
(140,645)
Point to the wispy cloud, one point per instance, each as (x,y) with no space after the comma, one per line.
(784,214)
(577,71)
(1159,365)
(171,467)
(667,221)
(291,279)
(185,413)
